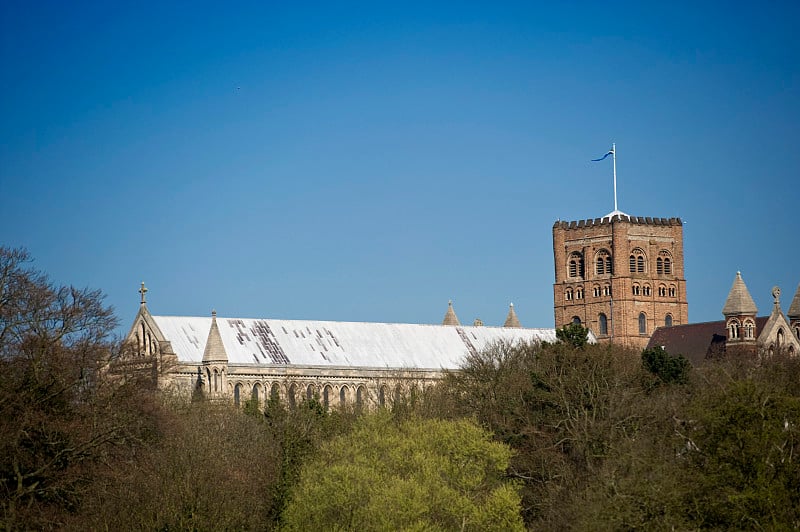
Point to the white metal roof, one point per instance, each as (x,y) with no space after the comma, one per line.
(332,343)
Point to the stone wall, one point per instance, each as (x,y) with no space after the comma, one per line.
(656,292)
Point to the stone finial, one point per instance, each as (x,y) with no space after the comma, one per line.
(776,295)
(477,323)
(511,319)
(143,291)
(450,317)
(739,302)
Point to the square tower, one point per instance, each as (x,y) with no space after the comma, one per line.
(621,276)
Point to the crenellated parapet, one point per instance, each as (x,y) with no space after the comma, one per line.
(618,218)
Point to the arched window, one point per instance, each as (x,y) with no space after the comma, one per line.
(662,290)
(576,320)
(664,263)
(636,290)
(672,291)
(642,323)
(382,396)
(637,261)
(275,391)
(749,329)
(361,395)
(310,392)
(733,329)
(568,294)
(646,290)
(579,293)
(256,394)
(596,291)
(326,395)
(237,394)
(575,264)
(216,381)
(797,332)
(292,395)
(603,322)
(343,393)
(602,263)
(668,320)
(781,338)
(607,290)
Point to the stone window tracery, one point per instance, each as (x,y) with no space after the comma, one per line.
(575,264)
(664,263)
(596,291)
(636,290)
(637,261)
(603,264)
(749,329)
(579,293)
(733,329)
(662,290)
(672,291)
(607,290)
(646,290)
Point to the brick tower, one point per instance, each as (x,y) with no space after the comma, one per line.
(622,276)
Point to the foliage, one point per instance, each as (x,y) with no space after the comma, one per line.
(573,334)
(744,448)
(669,369)
(413,474)
(60,418)
(213,470)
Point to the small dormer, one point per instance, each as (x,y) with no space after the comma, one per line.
(740,313)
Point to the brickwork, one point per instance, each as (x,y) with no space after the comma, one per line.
(620,276)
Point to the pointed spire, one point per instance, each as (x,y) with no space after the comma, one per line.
(512,320)
(739,301)
(794,308)
(450,317)
(215,349)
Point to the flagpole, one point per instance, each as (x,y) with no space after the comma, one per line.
(614,157)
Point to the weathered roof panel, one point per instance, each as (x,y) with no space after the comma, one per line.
(330,343)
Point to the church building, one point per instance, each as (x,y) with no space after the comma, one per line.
(342,364)
(621,276)
(741,332)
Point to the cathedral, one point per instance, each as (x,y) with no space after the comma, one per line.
(620,276)
(343,364)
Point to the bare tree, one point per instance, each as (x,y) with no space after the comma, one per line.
(58,416)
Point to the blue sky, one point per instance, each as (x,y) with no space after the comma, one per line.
(368,162)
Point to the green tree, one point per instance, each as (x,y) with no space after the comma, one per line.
(669,369)
(573,334)
(409,475)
